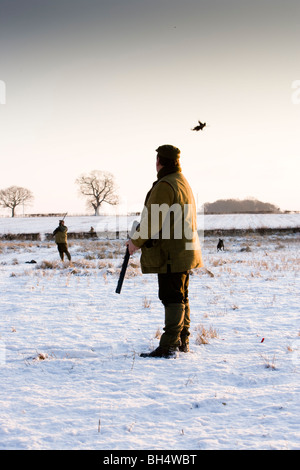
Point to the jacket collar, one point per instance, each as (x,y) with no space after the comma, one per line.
(164,171)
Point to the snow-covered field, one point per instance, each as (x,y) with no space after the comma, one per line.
(70,372)
(110,223)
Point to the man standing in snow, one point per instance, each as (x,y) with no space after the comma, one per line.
(60,234)
(167,236)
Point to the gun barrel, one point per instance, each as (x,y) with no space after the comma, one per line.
(123,271)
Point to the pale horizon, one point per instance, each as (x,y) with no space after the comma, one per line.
(91,85)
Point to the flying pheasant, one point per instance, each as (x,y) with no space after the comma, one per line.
(200,127)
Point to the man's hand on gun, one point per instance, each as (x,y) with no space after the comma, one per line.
(131,247)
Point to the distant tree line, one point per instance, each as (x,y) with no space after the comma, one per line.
(237,206)
(98,187)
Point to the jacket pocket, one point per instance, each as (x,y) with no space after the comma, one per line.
(153,256)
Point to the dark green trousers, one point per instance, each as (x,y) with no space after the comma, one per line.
(173,293)
(63,249)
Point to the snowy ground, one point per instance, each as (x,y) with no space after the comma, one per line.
(106,223)
(70,372)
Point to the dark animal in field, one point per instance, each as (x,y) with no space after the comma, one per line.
(31,262)
(220,245)
(200,127)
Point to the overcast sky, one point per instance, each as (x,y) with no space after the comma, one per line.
(101,84)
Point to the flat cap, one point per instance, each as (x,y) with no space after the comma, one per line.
(168,151)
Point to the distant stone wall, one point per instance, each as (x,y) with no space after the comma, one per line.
(108,234)
(112,235)
(244,232)
(74,235)
(21,236)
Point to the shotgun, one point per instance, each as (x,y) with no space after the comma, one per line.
(134,227)
(123,271)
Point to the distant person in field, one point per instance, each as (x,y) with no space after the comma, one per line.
(168,250)
(60,234)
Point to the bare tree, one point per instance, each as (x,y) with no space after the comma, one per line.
(14,196)
(98,187)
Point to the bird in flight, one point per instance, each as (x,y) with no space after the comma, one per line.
(200,127)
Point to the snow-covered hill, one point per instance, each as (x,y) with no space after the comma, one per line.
(123,223)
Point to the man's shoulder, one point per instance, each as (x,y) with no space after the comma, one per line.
(162,192)
(176,175)
(164,186)
(173,179)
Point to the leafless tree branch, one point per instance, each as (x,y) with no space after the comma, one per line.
(14,196)
(98,187)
